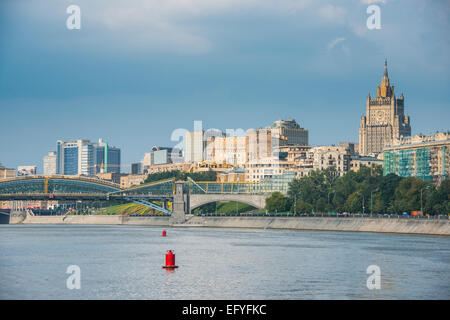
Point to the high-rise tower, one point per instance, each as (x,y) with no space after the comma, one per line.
(385,119)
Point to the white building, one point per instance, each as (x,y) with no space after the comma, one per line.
(50,164)
(26,171)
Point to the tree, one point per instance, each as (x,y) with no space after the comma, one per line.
(277,202)
(407,194)
(388,185)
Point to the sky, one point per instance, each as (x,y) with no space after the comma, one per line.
(139,69)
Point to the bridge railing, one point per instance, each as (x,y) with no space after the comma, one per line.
(213,187)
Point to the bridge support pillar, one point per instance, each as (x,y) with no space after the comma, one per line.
(178,206)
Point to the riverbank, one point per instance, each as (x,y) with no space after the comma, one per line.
(382,225)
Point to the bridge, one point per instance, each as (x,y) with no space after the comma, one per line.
(174,198)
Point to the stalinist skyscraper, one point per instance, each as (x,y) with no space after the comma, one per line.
(384,120)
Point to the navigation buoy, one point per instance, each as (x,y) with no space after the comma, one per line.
(164,233)
(170,260)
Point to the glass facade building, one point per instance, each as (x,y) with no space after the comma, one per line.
(107,158)
(70,163)
(83,157)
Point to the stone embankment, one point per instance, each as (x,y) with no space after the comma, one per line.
(386,225)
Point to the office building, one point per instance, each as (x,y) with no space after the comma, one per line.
(50,164)
(82,157)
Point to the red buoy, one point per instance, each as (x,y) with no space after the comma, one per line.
(164,233)
(170,260)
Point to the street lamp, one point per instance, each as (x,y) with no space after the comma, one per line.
(371,202)
(332,191)
(421,196)
(363,201)
(295,204)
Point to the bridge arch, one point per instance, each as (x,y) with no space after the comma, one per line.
(255,200)
(56,184)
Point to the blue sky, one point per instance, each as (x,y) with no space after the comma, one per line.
(139,69)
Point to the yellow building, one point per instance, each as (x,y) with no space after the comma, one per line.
(7,173)
(132,180)
(229,150)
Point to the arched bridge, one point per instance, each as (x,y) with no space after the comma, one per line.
(185,195)
(54,187)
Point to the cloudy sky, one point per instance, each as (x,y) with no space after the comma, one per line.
(139,69)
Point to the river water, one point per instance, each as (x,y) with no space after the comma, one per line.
(124,262)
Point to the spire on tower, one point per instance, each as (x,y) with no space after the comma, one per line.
(385,69)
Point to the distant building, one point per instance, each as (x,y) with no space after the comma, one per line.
(356,162)
(295,153)
(227,150)
(421,156)
(325,157)
(260,169)
(353,147)
(289,132)
(136,168)
(7,173)
(385,119)
(130,180)
(107,158)
(161,155)
(278,183)
(82,157)
(261,144)
(194,146)
(234,175)
(26,171)
(235,149)
(156,156)
(110,176)
(50,164)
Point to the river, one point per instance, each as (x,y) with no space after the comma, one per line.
(124,262)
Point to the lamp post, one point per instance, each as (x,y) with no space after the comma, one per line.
(295,204)
(421,196)
(363,201)
(371,201)
(332,191)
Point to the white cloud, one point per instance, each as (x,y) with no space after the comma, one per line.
(333,43)
(174,25)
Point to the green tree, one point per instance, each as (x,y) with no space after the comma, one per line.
(388,185)
(407,194)
(277,202)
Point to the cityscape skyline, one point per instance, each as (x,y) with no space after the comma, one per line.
(317,70)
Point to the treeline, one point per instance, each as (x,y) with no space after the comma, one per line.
(366,190)
(179,175)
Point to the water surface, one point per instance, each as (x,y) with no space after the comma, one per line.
(124,262)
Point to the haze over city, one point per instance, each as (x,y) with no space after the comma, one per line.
(132,76)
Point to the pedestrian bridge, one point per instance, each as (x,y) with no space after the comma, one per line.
(190,194)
